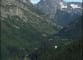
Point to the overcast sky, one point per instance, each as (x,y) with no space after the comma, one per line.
(36,1)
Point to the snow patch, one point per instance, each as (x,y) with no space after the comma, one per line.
(74,6)
(62,5)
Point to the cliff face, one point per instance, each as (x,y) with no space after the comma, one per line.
(14,7)
(22,9)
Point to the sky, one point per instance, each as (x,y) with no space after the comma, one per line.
(36,1)
(73,0)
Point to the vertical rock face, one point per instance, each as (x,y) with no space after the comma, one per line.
(14,7)
(49,6)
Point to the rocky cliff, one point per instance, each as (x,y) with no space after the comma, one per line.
(14,7)
(23,10)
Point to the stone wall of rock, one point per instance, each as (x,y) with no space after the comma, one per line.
(14,7)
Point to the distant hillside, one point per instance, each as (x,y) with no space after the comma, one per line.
(50,7)
(64,18)
(73,30)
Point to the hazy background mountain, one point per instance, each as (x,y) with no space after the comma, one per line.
(60,11)
(49,7)
(72,30)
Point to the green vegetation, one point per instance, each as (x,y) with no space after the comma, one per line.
(71,51)
(34,35)
(19,38)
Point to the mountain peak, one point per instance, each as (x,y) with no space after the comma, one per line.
(49,6)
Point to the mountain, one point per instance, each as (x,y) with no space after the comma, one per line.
(24,11)
(72,7)
(68,12)
(26,33)
(60,11)
(22,29)
(49,7)
(63,18)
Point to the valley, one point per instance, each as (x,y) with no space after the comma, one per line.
(28,33)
